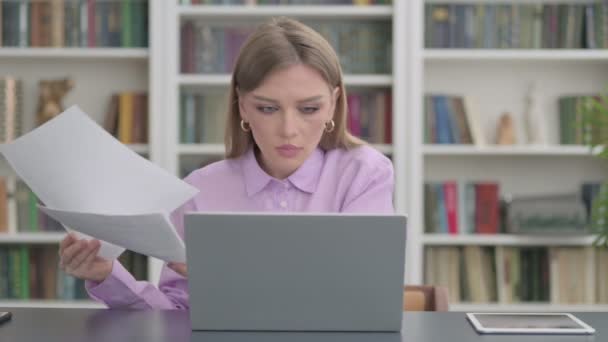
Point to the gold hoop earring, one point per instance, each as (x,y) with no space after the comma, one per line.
(332,126)
(245,128)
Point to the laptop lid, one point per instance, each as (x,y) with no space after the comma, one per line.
(329,272)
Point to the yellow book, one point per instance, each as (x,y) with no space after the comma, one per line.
(125,118)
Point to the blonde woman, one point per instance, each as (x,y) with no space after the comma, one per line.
(287,150)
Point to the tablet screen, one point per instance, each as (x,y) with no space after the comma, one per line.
(528,323)
(523,321)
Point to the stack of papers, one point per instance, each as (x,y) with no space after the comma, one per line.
(93,184)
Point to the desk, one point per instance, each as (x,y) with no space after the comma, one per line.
(70,325)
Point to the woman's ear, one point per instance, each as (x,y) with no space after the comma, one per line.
(336,94)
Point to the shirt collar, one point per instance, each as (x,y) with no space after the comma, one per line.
(305,178)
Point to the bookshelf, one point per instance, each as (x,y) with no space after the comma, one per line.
(498,78)
(177,154)
(99,70)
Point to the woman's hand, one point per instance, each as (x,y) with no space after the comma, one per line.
(179,267)
(78,257)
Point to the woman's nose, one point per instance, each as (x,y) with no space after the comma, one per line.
(289,126)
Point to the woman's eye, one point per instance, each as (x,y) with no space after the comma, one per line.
(266,109)
(309,110)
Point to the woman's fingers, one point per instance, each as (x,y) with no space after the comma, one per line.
(179,267)
(81,256)
(86,264)
(66,242)
(71,251)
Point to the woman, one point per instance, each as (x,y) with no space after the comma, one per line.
(287,150)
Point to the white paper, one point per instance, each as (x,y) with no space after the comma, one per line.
(73,164)
(150,234)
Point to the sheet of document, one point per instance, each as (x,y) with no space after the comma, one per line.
(73,164)
(150,234)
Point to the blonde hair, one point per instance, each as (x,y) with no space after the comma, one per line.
(277,44)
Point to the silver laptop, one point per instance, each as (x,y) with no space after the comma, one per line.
(276,272)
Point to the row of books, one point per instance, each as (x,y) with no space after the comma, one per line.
(370,116)
(503,274)
(459,207)
(362,47)
(32,272)
(202,118)
(23,212)
(462,207)
(127,117)
(74,23)
(451,120)
(286,2)
(11,109)
(580,122)
(513,26)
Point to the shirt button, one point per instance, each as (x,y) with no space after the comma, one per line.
(283,204)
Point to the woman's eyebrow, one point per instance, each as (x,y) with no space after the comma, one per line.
(308,99)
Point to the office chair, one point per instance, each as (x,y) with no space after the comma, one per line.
(425,298)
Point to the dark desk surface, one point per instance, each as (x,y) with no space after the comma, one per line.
(68,325)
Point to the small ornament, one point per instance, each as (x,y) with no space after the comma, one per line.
(506,130)
(50,99)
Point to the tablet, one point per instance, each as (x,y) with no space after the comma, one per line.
(528,323)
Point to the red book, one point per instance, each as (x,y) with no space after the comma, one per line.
(450,190)
(486,208)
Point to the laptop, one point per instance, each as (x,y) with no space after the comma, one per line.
(303,272)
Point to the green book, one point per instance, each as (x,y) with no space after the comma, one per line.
(127,28)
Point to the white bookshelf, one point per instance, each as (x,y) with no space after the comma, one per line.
(15,237)
(98,73)
(506,240)
(224,80)
(268,11)
(76,53)
(522,150)
(497,79)
(396,14)
(522,56)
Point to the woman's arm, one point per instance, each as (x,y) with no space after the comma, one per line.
(121,290)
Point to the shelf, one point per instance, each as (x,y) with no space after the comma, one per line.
(506,240)
(224,80)
(140,148)
(527,307)
(383,148)
(219,150)
(202,149)
(557,55)
(76,53)
(532,150)
(41,303)
(42,237)
(328,11)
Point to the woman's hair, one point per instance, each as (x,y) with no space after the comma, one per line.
(277,44)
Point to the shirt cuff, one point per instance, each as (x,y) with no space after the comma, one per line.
(116,290)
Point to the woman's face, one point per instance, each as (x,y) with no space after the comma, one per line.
(287,114)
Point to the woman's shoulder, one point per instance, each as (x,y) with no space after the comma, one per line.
(363,156)
(213,173)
